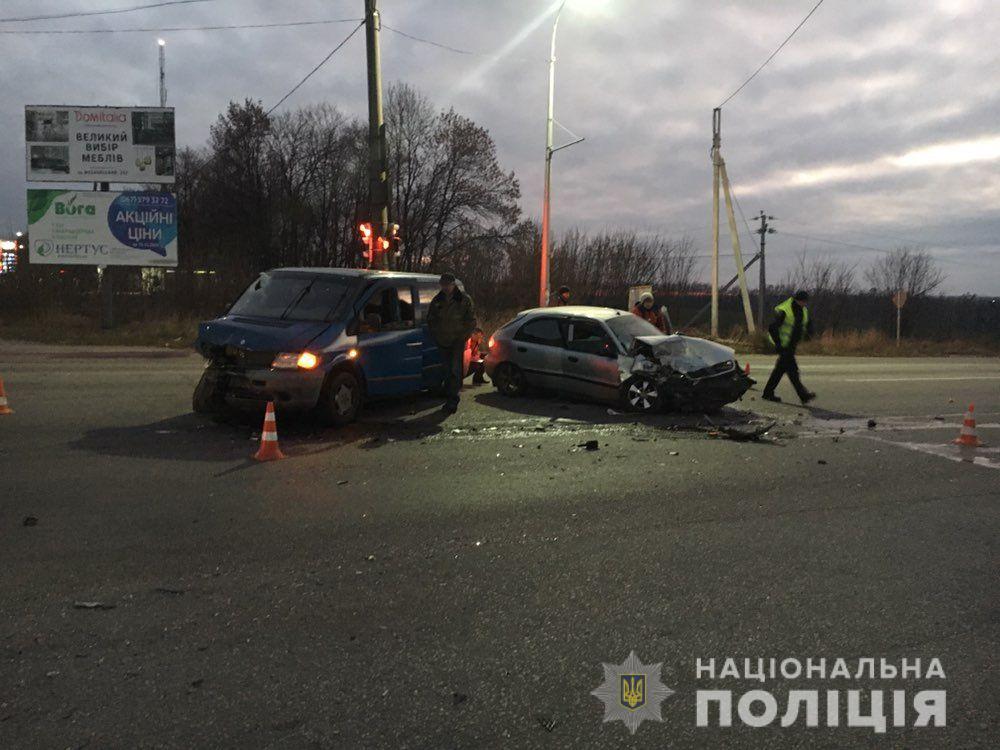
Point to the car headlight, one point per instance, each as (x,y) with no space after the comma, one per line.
(295,360)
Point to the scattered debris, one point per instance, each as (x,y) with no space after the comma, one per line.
(614,413)
(92,605)
(166,590)
(548,723)
(370,558)
(198,683)
(29,521)
(590,445)
(458,698)
(674,453)
(872,424)
(343,481)
(745,433)
(821,462)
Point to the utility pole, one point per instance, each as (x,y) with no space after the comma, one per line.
(716,158)
(720,178)
(763,231)
(378,166)
(163,71)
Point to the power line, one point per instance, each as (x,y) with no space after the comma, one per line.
(108,12)
(321,64)
(773,54)
(449,48)
(161,29)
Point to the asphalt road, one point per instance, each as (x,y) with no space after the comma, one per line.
(421,582)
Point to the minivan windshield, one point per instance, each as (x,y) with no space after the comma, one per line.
(292,296)
(627,326)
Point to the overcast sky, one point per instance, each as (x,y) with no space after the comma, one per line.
(878,124)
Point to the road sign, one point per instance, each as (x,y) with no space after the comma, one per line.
(899,298)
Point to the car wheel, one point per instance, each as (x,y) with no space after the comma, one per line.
(510,380)
(342,398)
(207,397)
(641,394)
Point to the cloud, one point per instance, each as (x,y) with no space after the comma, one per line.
(878,121)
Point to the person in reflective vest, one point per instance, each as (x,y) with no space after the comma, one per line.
(791,324)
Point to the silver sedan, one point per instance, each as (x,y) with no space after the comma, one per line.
(612,356)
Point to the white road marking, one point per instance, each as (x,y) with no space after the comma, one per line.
(915,379)
(988,458)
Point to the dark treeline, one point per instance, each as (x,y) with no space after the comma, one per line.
(290,190)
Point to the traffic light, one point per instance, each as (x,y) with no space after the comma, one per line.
(367,240)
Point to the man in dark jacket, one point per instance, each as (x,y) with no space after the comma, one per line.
(562,297)
(451,318)
(791,324)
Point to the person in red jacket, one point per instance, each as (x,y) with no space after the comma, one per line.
(646,309)
(478,348)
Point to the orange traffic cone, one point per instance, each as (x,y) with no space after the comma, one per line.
(746,370)
(967,436)
(269,450)
(4,408)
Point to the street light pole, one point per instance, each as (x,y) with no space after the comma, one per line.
(163,71)
(543,276)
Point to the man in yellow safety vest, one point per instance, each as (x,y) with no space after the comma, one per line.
(791,324)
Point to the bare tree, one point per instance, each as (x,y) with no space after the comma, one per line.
(831,285)
(910,269)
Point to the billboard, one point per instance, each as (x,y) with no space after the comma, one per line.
(74,227)
(99,144)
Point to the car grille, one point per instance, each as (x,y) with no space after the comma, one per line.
(234,357)
(720,369)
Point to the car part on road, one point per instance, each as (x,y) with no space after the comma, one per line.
(509,380)
(208,394)
(341,399)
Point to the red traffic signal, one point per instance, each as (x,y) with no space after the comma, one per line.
(365,228)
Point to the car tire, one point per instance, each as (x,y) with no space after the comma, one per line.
(509,380)
(207,397)
(641,394)
(342,398)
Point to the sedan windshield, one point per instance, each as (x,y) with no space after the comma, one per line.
(291,297)
(627,326)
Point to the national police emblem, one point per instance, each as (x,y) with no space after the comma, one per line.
(632,692)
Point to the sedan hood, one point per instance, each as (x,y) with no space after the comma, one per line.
(259,334)
(685,354)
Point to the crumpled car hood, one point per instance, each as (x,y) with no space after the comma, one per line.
(681,353)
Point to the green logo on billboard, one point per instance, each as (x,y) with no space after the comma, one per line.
(70,208)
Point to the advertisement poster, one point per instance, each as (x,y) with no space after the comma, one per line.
(99,144)
(71,227)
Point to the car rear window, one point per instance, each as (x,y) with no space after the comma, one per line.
(291,297)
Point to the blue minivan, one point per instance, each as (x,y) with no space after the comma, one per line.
(321,338)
